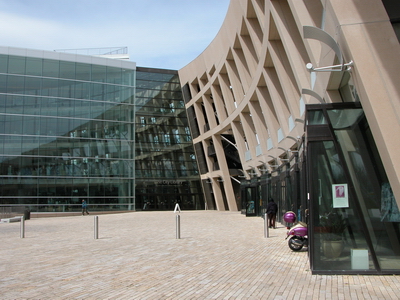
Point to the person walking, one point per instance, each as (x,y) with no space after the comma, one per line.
(272,209)
(84,207)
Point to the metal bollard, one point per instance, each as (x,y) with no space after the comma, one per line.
(22,227)
(266,229)
(178,226)
(96,227)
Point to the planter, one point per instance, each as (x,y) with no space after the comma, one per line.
(332,249)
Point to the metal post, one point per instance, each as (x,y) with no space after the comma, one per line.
(266,229)
(96,227)
(178,226)
(22,227)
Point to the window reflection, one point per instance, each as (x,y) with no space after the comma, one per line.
(59,136)
(165,171)
(67,133)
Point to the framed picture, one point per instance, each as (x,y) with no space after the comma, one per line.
(340,195)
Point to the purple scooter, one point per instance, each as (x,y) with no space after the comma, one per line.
(297,233)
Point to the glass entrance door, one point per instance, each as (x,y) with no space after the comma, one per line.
(354,216)
(250,201)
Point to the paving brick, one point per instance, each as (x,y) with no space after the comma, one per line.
(221,255)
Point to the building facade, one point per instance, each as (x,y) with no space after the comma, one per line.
(67,134)
(299,101)
(66,131)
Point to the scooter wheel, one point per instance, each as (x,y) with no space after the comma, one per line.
(295,244)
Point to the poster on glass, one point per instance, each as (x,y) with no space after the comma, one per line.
(340,195)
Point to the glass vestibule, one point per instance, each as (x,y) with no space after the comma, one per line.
(354,216)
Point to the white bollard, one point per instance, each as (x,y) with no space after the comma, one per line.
(22,227)
(178,226)
(96,227)
(266,229)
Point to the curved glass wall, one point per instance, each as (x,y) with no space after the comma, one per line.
(66,134)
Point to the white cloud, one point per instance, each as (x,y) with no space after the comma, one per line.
(21,31)
(158,33)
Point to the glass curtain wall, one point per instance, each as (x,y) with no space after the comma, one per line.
(166,167)
(66,134)
(354,215)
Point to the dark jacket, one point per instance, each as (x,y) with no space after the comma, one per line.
(272,208)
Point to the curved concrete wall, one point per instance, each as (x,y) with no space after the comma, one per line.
(252,82)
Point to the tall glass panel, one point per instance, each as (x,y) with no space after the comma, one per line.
(33,66)
(166,172)
(16,65)
(377,203)
(51,68)
(337,226)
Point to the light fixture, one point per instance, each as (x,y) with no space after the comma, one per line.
(335,68)
(312,32)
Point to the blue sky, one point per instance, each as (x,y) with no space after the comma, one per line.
(158,33)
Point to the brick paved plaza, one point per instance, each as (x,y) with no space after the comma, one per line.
(220,255)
